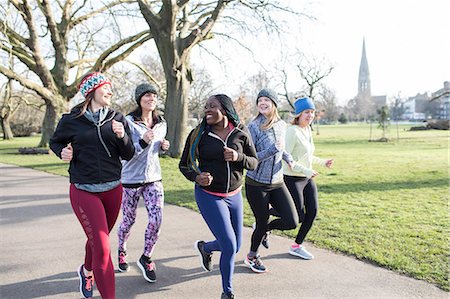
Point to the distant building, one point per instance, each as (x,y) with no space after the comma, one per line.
(441,101)
(364,88)
(423,106)
(416,107)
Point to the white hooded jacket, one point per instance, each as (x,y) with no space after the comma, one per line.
(144,167)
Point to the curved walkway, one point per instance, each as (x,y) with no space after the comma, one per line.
(42,245)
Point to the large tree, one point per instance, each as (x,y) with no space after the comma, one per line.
(58,42)
(177,27)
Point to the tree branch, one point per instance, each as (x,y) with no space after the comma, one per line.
(140,38)
(41,91)
(81,19)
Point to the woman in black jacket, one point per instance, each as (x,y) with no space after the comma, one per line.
(215,155)
(94,138)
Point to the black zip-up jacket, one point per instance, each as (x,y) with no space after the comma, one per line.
(96,149)
(227,176)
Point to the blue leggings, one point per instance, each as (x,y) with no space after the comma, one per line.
(224,217)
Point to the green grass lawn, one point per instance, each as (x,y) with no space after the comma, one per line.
(382,202)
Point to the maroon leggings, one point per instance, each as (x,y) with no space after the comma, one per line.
(97,213)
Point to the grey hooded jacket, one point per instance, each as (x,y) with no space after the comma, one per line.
(269,170)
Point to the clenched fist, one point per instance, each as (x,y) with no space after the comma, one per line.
(229,154)
(67,153)
(118,129)
(204,179)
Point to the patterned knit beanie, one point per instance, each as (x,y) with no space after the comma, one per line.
(91,82)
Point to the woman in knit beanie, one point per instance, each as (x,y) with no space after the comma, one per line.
(214,157)
(94,139)
(264,186)
(299,176)
(141,177)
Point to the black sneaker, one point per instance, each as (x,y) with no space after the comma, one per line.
(123,265)
(255,264)
(205,257)
(86,283)
(148,268)
(227,296)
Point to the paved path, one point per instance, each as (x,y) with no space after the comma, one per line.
(42,245)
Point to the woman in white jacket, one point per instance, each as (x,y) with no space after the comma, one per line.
(141,177)
(299,176)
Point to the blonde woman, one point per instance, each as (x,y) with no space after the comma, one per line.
(298,177)
(264,186)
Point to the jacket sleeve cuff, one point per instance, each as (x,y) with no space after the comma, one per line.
(142,143)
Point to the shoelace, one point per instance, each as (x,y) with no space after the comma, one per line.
(122,258)
(89,282)
(255,260)
(150,266)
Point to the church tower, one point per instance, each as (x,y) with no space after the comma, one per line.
(364,77)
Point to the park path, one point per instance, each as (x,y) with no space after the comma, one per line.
(42,245)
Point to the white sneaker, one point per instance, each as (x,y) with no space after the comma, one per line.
(301,252)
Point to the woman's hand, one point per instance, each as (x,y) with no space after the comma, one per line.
(204,179)
(118,129)
(329,163)
(148,136)
(165,144)
(67,153)
(229,154)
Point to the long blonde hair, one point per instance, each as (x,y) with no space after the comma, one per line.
(272,118)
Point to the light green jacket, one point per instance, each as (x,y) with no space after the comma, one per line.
(299,143)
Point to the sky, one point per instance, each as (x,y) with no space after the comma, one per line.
(407,45)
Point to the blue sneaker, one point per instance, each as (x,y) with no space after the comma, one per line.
(86,283)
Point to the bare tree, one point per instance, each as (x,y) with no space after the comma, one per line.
(201,88)
(327,103)
(8,107)
(177,27)
(59,42)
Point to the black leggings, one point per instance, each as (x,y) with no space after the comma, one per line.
(304,194)
(259,198)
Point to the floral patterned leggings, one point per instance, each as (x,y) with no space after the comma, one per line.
(153,194)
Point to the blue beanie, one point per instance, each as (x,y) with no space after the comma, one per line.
(268,93)
(303,104)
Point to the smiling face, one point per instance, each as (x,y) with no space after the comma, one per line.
(148,101)
(265,106)
(102,97)
(214,112)
(306,117)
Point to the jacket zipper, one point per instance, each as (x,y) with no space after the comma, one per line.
(228,163)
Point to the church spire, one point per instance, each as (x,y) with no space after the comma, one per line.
(364,77)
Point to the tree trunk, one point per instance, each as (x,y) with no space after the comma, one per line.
(49,123)
(7,133)
(176,110)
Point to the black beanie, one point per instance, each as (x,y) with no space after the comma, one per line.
(142,89)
